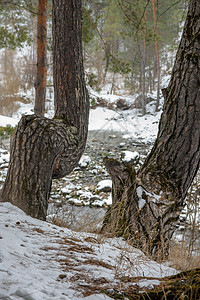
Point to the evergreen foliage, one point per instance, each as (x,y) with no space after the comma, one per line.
(15,23)
(114,34)
(121,28)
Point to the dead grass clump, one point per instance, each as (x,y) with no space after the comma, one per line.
(91,239)
(74,222)
(38,230)
(181,258)
(56,220)
(80,249)
(97,262)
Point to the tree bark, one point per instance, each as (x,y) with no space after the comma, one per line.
(40,83)
(70,95)
(143,76)
(147,205)
(157,55)
(44,149)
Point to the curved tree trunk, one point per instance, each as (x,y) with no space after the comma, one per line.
(147,204)
(70,95)
(44,149)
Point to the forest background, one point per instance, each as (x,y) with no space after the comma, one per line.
(129,46)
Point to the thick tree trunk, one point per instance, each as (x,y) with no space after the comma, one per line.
(146,205)
(40,84)
(70,94)
(45,148)
(37,143)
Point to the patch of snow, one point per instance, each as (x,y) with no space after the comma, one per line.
(8,121)
(104,185)
(152,197)
(84,161)
(109,200)
(39,260)
(25,109)
(76,201)
(130,156)
(97,297)
(141,202)
(148,283)
(68,189)
(4,156)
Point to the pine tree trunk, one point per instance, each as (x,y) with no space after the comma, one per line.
(157,54)
(44,149)
(143,76)
(40,84)
(147,205)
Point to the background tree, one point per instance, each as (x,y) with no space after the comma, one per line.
(17,31)
(40,84)
(147,205)
(44,149)
(113,36)
(122,28)
(155,10)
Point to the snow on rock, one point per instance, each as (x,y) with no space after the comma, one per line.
(39,260)
(68,188)
(84,161)
(129,156)
(142,201)
(4,160)
(104,185)
(4,156)
(109,200)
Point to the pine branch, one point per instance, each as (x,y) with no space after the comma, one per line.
(19,6)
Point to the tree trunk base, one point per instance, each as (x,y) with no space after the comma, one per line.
(145,219)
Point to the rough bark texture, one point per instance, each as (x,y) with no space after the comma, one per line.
(71,98)
(147,205)
(45,148)
(40,83)
(157,53)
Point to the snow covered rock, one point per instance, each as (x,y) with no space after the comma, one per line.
(129,156)
(104,186)
(84,161)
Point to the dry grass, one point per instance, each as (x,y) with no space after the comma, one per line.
(181,258)
(98,262)
(185,255)
(72,220)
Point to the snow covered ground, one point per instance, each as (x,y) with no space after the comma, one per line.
(8,121)
(129,122)
(39,260)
